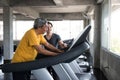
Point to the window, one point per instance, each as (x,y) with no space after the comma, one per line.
(66,29)
(115,28)
(20,27)
(92,30)
(1,30)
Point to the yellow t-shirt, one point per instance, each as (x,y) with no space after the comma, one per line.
(25,50)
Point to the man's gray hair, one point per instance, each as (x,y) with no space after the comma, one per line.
(39,22)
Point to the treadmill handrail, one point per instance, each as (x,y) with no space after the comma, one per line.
(48,61)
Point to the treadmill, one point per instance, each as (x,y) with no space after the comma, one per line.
(72,70)
(59,63)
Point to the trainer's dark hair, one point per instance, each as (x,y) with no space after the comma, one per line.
(39,22)
(50,24)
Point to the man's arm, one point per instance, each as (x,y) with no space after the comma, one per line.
(41,50)
(52,48)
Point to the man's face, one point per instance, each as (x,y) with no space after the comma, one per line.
(44,28)
(49,27)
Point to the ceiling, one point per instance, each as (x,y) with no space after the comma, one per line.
(50,9)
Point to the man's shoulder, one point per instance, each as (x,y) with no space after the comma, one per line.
(30,30)
(55,34)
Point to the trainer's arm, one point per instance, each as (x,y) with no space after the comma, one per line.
(52,48)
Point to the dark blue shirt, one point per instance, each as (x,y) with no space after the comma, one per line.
(55,38)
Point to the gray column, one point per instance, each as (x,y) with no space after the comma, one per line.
(86,22)
(97,34)
(8,37)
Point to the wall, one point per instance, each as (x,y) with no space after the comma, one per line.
(110,64)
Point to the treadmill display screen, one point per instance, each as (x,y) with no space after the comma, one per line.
(81,37)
